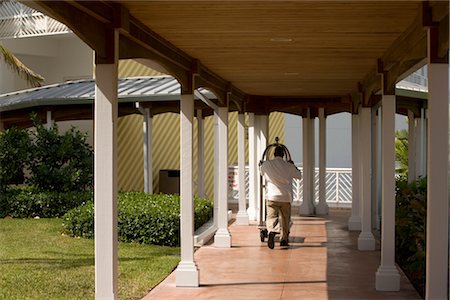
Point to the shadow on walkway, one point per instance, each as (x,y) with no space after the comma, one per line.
(322,262)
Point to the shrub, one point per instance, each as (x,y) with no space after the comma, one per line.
(411,211)
(60,162)
(29,203)
(14,154)
(142,218)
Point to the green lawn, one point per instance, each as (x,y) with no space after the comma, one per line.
(37,262)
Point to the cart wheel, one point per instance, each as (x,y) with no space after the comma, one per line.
(263,234)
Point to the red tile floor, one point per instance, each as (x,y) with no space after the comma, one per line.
(322,262)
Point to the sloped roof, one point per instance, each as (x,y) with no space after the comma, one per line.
(132,89)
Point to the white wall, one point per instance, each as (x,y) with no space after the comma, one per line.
(339,151)
(57,58)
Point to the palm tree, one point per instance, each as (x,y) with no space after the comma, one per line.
(32,78)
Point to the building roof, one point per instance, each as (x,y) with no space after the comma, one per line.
(74,100)
(132,89)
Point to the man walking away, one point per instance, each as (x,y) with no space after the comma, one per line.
(279,175)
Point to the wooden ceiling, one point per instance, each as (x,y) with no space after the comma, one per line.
(268,55)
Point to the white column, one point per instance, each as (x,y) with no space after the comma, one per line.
(252,168)
(222,238)
(419,138)
(437,187)
(366,240)
(312,165)
(216,170)
(105,178)
(376,168)
(354,222)
(187,273)
(200,154)
(242,216)
(387,276)
(307,206)
(425,143)
(258,136)
(411,147)
(148,163)
(49,119)
(263,125)
(322,207)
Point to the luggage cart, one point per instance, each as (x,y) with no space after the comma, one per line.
(262,211)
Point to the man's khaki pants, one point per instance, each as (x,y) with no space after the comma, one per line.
(278,215)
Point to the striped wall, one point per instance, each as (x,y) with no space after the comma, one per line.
(166,142)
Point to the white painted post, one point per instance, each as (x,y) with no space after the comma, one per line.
(419,138)
(105,178)
(222,238)
(258,136)
(216,170)
(322,207)
(242,216)
(425,143)
(366,240)
(200,154)
(307,206)
(263,137)
(411,147)
(312,165)
(354,222)
(376,168)
(49,122)
(252,168)
(387,276)
(187,273)
(148,162)
(437,187)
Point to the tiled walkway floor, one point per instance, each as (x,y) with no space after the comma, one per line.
(322,262)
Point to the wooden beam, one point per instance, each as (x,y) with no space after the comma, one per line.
(89,29)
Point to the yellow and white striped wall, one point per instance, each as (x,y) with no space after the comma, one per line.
(166,145)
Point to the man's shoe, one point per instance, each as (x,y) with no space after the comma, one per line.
(284,243)
(271,241)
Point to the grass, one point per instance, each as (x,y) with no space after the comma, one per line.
(37,262)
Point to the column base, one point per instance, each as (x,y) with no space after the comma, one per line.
(222,239)
(187,274)
(322,208)
(242,218)
(387,279)
(252,213)
(366,241)
(354,223)
(306,209)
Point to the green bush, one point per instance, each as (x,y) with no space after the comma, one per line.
(14,155)
(60,162)
(29,203)
(411,212)
(142,218)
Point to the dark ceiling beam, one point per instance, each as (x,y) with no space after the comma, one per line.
(296,105)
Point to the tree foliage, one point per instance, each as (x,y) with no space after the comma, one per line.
(31,77)
(401,151)
(54,161)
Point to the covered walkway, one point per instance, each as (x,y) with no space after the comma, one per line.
(322,262)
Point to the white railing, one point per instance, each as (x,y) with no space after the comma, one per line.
(338,186)
(18,20)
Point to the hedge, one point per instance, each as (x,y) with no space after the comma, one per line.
(411,212)
(29,203)
(142,218)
